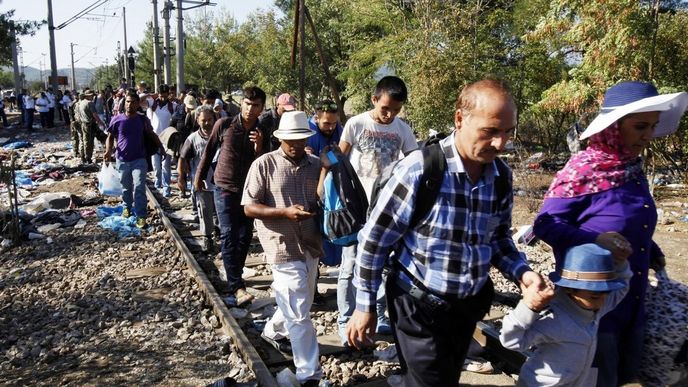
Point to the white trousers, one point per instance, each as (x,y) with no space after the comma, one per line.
(294,285)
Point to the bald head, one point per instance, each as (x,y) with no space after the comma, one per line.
(478,93)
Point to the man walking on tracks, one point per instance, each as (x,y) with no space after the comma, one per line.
(240,141)
(85,113)
(439,285)
(281,192)
(189,157)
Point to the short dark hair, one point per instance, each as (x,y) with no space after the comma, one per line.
(163,88)
(132,93)
(253,93)
(212,94)
(326,105)
(393,87)
(466,99)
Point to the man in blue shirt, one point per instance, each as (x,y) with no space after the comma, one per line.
(439,286)
(325,124)
(328,131)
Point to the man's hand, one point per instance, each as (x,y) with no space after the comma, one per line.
(536,300)
(617,244)
(297,212)
(198,184)
(256,136)
(107,157)
(536,294)
(309,150)
(181,184)
(361,328)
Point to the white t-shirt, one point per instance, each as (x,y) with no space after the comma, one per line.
(160,118)
(375,146)
(42,105)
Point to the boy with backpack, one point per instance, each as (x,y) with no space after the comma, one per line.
(562,325)
(372,140)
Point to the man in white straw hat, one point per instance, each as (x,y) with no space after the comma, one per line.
(602,196)
(281,192)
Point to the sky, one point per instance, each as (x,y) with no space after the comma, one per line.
(95,35)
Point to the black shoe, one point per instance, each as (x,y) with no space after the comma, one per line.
(224,382)
(283,345)
(310,383)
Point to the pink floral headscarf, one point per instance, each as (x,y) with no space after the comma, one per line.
(605,164)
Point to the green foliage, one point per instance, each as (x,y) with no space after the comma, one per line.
(6,79)
(20,28)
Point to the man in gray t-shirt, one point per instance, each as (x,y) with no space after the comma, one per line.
(189,157)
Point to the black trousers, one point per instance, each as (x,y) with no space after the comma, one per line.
(432,344)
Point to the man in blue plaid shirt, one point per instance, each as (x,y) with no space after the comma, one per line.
(439,287)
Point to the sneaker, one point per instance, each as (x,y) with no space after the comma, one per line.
(283,345)
(141,222)
(243,297)
(126,213)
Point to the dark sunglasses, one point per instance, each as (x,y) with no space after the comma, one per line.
(326,107)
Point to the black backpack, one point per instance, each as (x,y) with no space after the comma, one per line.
(434,165)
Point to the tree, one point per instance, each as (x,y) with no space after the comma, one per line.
(11,29)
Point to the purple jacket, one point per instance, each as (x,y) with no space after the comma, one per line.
(628,210)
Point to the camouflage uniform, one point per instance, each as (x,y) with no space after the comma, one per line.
(84,112)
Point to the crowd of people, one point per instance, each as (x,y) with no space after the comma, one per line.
(426,282)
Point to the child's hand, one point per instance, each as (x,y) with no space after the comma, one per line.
(537,299)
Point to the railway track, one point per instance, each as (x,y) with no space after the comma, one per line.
(265,361)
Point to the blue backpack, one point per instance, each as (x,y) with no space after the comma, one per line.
(344,203)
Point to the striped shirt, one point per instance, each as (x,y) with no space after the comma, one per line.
(451,249)
(276,181)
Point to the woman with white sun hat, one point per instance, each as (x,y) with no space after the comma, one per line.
(602,196)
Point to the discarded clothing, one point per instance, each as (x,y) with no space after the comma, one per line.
(17,145)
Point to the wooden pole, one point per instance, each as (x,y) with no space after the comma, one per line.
(302,55)
(295,41)
(326,69)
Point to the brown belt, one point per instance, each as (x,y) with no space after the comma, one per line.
(588,275)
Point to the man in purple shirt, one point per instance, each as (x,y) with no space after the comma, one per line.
(129,130)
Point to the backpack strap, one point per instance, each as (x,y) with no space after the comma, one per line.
(502,181)
(434,165)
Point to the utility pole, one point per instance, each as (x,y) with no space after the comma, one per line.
(71,47)
(156,47)
(166,41)
(180,46)
(53,57)
(124,60)
(15,61)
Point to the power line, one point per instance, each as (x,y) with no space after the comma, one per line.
(76,17)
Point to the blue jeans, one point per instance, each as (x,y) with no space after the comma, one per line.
(162,170)
(346,292)
(236,232)
(617,358)
(133,178)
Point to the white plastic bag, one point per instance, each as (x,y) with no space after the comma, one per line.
(109,182)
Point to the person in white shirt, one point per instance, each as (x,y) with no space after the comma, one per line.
(51,107)
(29,106)
(372,140)
(43,109)
(64,105)
(160,114)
